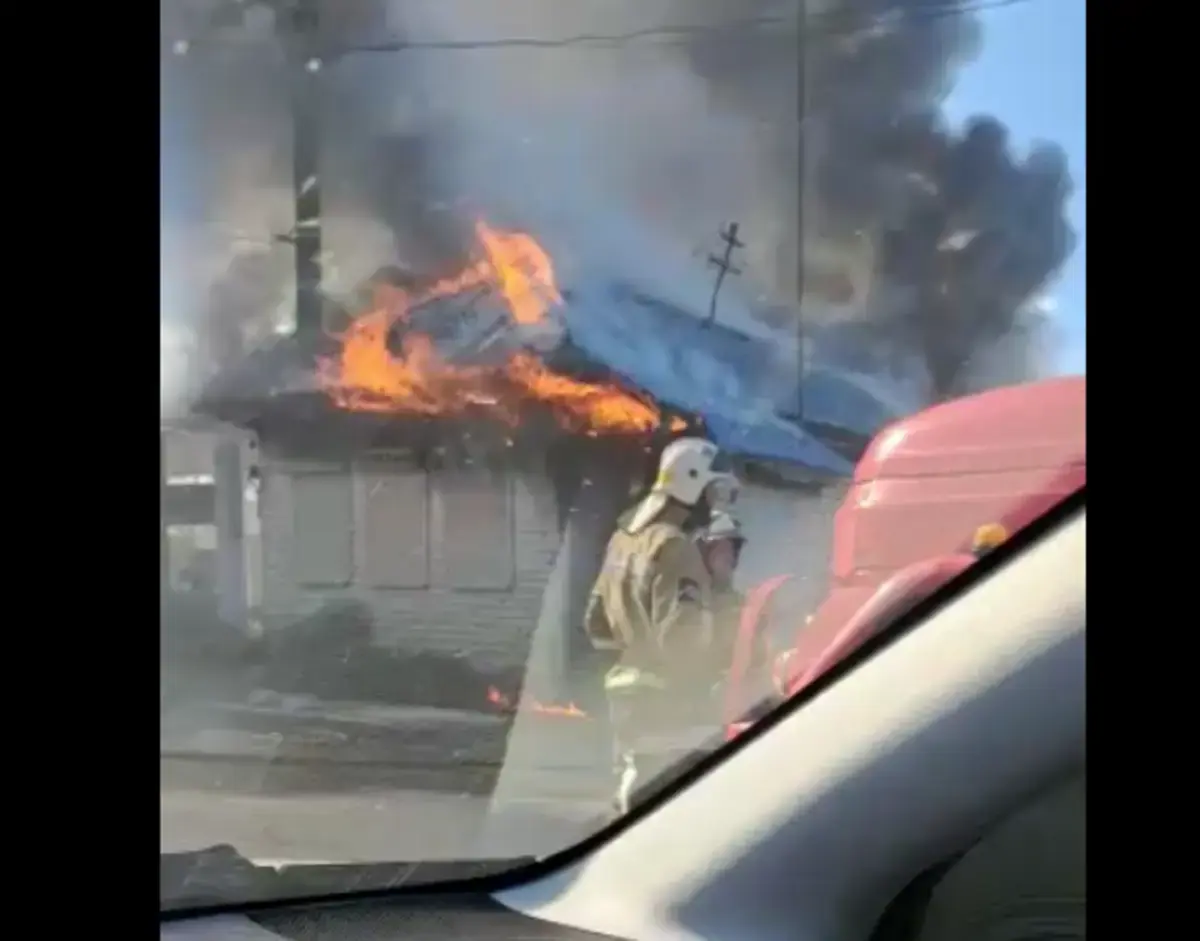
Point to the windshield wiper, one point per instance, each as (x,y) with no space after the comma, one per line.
(220,875)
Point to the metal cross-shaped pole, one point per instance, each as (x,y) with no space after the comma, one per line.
(730,237)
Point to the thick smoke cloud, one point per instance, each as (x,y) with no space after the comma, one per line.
(626,157)
(945,235)
(613,153)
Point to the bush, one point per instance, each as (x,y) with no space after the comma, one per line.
(201,656)
(192,633)
(331,656)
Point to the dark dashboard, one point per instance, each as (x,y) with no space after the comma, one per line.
(414,918)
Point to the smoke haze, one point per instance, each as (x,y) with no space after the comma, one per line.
(625,158)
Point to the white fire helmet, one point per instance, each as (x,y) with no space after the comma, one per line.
(722,526)
(688,469)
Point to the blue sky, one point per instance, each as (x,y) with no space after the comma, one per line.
(1031,74)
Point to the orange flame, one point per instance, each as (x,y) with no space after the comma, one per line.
(367,376)
(498,699)
(561,710)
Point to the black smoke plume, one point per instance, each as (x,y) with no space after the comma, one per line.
(632,154)
(950,235)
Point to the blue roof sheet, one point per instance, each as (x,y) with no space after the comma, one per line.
(740,385)
(712,371)
(841,398)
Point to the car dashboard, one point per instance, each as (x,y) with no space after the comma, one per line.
(414,918)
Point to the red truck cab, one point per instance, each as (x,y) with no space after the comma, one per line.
(922,489)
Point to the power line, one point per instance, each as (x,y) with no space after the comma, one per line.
(825,23)
(680,32)
(818,26)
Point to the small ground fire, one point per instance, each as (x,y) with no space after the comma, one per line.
(562,710)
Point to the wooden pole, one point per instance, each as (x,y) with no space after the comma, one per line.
(299,35)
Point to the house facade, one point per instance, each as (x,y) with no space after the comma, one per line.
(464,535)
(450,560)
(457,560)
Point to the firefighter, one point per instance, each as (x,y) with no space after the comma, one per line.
(721,543)
(652,608)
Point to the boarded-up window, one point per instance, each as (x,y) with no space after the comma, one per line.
(322,543)
(395,526)
(472,530)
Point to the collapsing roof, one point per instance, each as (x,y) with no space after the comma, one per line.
(727,378)
(722,376)
(746,395)
(499,340)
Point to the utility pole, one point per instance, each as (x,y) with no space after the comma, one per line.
(298,27)
(164,531)
(802,191)
(723,265)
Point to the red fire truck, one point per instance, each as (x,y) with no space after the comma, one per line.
(988,463)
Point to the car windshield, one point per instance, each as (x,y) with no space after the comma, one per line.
(550,389)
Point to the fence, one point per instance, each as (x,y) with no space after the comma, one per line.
(208,523)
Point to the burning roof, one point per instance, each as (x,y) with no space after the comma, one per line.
(499,337)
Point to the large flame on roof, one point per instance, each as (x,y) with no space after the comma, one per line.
(366,375)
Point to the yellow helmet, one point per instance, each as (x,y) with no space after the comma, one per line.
(988,537)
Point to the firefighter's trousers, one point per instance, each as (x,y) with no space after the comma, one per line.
(647,741)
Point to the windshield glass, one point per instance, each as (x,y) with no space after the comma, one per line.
(548,389)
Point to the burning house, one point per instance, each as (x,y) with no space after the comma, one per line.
(453,459)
